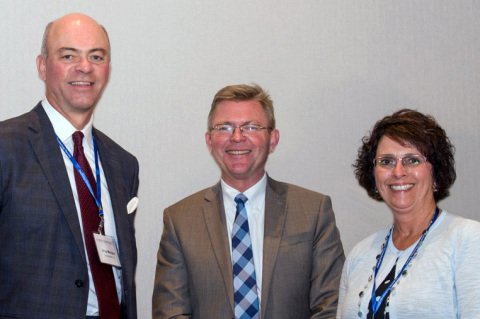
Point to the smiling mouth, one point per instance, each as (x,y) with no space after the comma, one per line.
(401,187)
(81,83)
(238,152)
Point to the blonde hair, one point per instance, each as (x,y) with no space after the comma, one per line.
(243,92)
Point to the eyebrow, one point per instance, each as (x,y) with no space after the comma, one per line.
(394,156)
(244,123)
(76,50)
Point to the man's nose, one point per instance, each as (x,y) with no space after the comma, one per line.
(84,66)
(237,134)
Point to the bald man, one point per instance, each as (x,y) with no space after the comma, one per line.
(66,235)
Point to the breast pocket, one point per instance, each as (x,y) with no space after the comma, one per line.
(295,239)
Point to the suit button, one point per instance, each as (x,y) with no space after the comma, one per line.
(79,283)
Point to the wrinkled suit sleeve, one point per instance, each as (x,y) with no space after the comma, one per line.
(170,293)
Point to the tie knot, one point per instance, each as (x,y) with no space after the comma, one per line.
(241,198)
(77,139)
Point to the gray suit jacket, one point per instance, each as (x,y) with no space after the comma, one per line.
(302,257)
(43,270)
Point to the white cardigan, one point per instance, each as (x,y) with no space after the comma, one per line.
(442,282)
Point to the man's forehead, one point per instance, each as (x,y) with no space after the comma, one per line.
(78,35)
(230,108)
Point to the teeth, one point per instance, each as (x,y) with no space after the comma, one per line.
(80,83)
(401,187)
(238,152)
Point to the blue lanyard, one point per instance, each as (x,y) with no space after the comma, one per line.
(98,198)
(376,304)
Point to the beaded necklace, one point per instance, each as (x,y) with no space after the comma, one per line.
(403,272)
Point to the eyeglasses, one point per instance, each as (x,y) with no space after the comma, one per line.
(410,161)
(245,129)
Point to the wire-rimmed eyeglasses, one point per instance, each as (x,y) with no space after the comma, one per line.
(245,129)
(409,161)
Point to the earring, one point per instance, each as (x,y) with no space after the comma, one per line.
(376,191)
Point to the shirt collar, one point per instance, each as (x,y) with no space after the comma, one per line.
(255,194)
(62,127)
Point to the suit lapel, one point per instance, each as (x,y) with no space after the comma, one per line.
(275,213)
(113,174)
(45,146)
(214,214)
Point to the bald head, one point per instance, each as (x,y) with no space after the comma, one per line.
(75,66)
(69,19)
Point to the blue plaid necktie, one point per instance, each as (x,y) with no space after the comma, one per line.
(244,281)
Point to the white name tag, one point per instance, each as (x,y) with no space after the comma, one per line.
(107,250)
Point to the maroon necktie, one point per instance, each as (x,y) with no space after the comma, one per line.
(102,274)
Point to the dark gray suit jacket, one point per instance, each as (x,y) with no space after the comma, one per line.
(302,257)
(43,270)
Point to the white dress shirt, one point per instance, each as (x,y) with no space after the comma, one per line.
(64,130)
(255,207)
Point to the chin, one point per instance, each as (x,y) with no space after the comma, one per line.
(401,208)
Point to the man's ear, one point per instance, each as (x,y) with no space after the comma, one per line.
(274,139)
(42,67)
(208,140)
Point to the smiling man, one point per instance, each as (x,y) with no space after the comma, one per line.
(250,246)
(64,190)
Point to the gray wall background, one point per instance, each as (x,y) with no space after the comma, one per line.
(333,68)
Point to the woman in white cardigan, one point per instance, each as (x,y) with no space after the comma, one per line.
(427,264)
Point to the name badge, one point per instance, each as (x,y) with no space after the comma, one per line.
(107,250)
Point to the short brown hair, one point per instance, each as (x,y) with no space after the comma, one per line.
(243,92)
(412,128)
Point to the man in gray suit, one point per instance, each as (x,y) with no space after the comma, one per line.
(46,268)
(290,264)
